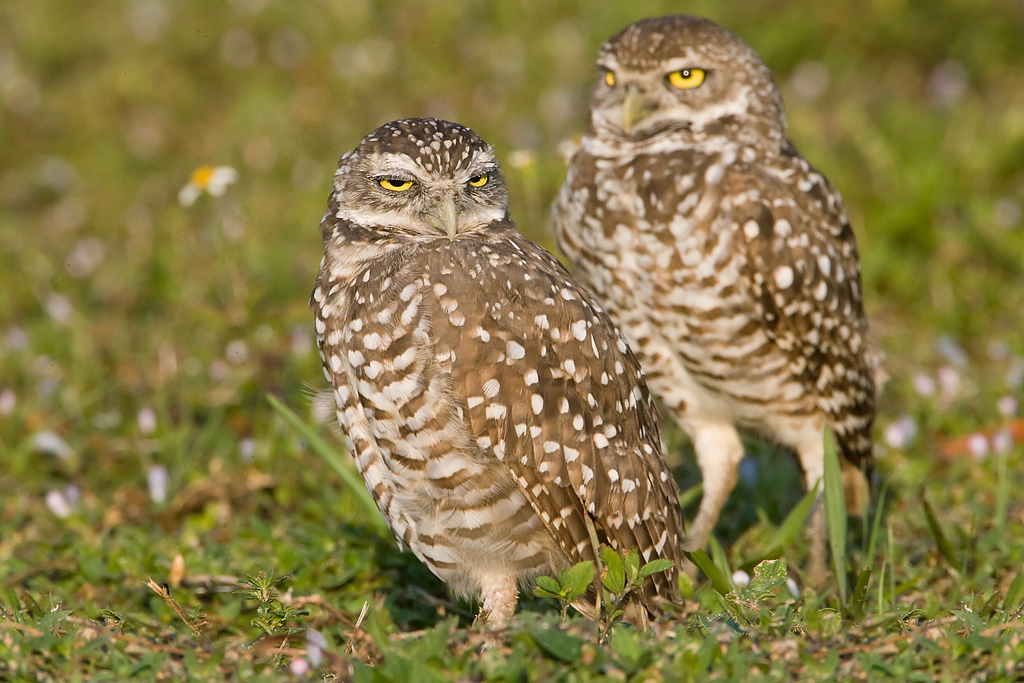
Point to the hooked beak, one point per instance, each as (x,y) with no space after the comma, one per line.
(635,108)
(443,216)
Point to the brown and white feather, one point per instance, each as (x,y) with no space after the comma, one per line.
(723,255)
(491,405)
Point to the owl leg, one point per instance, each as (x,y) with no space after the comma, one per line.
(499,593)
(719,452)
(811,454)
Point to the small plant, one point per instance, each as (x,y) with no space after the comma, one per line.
(620,575)
(571,584)
(272,615)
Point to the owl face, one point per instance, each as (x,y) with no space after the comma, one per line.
(681,74)
(422,178)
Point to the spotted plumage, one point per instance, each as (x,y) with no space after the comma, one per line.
(725,258)
(491,406)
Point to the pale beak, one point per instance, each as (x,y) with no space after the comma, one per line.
(444,217)
(635,108)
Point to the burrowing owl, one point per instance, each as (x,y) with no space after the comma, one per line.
(489,402)
(724,257)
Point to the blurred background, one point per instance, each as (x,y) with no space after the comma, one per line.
(142,323)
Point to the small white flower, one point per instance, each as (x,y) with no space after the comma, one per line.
(1015,373)
(59,308)
(791,585)
(213,180)
(521,158)
(924,385)
(949,382)
(73,494)
(299,666)
(51,443)
(977,445)
(59,504)
(1002,441)
(315,646)
(16,339)
(951,350)
(146,419)
(741,578)
(8,399)
(901,433)
(1007,406)
(247,448)
(237,351)
(156,480)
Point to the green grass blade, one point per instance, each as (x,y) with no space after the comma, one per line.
(835,515)
(1003,483)
(718,580)
(690,495)
(344,467)
(721,560)
(876,522)
(792,526)
(1014,599)
(946,548)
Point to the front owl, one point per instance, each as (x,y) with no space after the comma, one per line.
(725,258)
(491,406)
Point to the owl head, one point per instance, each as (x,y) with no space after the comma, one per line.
(423,178)
(684,76)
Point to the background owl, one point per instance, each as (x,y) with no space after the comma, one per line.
(490,404)
(725,258)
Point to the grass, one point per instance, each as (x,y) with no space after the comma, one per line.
(140,341)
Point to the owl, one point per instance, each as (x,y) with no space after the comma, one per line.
(494,411)
(725,258)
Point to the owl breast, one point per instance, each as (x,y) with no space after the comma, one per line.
(455,506)
(652,246)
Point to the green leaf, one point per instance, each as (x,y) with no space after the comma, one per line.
(51,620)
(686,587)
(835,514)
(661,564)
(768,575)
(626,644)
(971,620)
(344,468)
(547,587)
(631,561)
(556,643)
(613,574)
(576,579)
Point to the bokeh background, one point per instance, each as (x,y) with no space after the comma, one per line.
(139,336)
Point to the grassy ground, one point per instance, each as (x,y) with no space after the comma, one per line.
(139,340)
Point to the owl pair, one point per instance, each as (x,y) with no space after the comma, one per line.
(496,407)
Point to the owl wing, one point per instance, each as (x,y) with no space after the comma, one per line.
(803,275)
(553,392)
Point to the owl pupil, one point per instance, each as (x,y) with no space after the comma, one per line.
(685,73)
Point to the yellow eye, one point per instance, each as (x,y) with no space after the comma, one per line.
(686,78)
(395,184)
(478,180)
(609,78)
